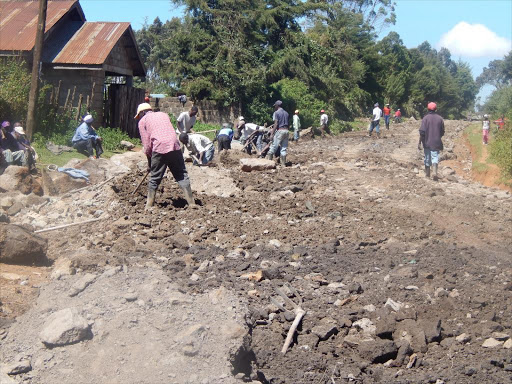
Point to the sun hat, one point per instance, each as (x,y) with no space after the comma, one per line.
(322,111)
(278,103)
(296,111)
(142,107)
(241,118)
(19,130)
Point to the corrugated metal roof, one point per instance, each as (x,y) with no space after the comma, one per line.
(92,43)
(18,22)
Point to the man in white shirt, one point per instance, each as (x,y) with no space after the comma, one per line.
(296,125)
(186,120)
(199,146)
(324,123)
(252,132)
(377,114)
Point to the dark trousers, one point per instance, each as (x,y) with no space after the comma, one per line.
(224,142)
(86,147)
(324,128)
(176,164)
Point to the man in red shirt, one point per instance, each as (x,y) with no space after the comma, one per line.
(163,151)
(387,114)
(398,116)
(501,122)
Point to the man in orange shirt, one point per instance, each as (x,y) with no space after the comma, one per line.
(387,114)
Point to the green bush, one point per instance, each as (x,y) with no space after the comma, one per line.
(112,138)
(501,150)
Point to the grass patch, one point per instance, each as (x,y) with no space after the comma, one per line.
(474,137)
(479,167)
(46,157)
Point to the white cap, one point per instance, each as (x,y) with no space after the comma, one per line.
(88,119)
(142,107)
(19,130)
(241,118)
(484,116)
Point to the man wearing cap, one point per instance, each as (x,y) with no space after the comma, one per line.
(186,120)
(296,125)
(225,136)
(377,113)
(324,122)
(280,128)
(398,116)
(162,151)
(199,147)
(10,151)
(387,114)
(24,145)
(86,139)
(431,132)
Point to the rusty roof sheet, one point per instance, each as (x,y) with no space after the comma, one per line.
(18,22)
(92,43)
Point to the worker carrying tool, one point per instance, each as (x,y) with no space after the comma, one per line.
(163,151)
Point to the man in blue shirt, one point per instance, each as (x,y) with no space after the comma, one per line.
(86,139)
(280,129)
(225,136)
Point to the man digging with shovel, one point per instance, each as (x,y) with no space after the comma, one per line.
(162,150)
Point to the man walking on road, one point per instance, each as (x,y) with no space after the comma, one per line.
(162,151)
(431,132)
(324,123)
(377,113)
(281,125)
(387,115)
(296,125)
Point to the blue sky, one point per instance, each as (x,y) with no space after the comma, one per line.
(475,31)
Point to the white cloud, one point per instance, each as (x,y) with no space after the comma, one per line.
(474,40)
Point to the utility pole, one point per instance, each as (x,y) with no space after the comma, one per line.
(34,85)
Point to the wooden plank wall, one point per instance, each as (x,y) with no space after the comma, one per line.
(121,103)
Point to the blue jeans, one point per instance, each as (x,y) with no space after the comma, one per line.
(280,139)
(386,119)
(208,155)
(296,134)
(375,125)
(431,157)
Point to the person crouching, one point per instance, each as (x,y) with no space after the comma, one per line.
(200,147)
(86,139)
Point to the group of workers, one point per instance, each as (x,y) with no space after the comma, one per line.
(15,148)
(162,147)
(377,114)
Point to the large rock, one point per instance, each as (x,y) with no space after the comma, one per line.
(64,327)
(249,165)
(19,179)
(20,246)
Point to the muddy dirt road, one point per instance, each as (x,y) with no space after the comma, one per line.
(403,279)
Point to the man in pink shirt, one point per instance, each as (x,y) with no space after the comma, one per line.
(162,149)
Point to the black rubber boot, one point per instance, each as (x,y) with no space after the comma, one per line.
(427,171)
(283,161)
(270,156)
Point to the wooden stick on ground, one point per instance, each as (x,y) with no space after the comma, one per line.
(140,183)
(66,225)
(299,314)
